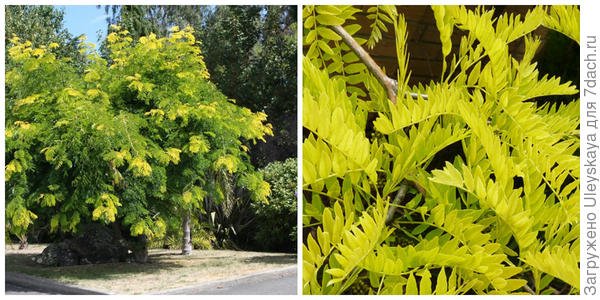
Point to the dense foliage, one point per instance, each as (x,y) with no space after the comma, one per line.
(464,185)
(258,68)
(141,20)
(201,236)
(136,139)
(275,221)
(250,53)
(239,223)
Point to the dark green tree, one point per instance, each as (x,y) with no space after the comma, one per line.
(275,225)
(41,25)
(258,67)
(141,20)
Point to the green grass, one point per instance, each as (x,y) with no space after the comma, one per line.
(166,269)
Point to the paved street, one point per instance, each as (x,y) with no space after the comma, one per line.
(21,284)
(276,282)
(13,289)
(284,284)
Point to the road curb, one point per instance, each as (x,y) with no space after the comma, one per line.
(47,285)
(226,283)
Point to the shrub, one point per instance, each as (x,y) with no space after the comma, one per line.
(275,222)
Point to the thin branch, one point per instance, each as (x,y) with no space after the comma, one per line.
(416,95)
(397,200)
(528,289)
(383,79)
(390,85)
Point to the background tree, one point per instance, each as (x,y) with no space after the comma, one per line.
(141,20)
(41,25)
(257,68)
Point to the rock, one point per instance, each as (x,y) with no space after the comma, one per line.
(99,244)
(57,254)
(139,249)
(93,245)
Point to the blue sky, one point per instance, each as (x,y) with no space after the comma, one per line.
(85,19)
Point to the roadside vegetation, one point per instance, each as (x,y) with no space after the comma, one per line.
(157,135)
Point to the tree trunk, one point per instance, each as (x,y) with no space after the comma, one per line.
(186,247)
(23,242)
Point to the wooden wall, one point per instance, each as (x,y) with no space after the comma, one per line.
(424,46)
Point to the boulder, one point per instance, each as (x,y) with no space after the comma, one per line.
(94,244)
(57,254)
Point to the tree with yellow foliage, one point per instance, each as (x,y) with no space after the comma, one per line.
(135,140)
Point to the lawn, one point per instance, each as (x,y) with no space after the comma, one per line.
(166,269)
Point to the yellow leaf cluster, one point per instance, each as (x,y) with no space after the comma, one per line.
(72,92)
(93,92)
(38,52)
(48,200)
(156,229)
(155,112)
(187,197)
(49,153)
(262,192)
(91,75)
(198,144)
(174,154)
(23,125)
(11,168)
(118,157)
(140,167)
(228,162)
(22,217)
(106,207)
(139,228)
(112,37)
(28,100)
(186,34)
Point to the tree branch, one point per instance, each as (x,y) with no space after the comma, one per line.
(397,200)
(528,289)
(389,84)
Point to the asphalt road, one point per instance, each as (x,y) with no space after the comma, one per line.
(276,282)
(21,284)
(13,289)
(283,285)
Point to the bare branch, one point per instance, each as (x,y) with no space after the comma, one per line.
(388,83)
(397,200)
(528,289)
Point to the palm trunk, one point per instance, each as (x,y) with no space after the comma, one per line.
(186,247)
